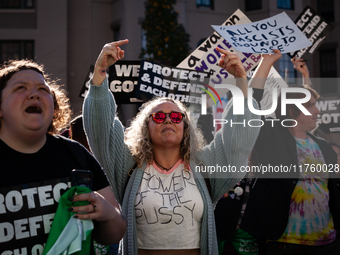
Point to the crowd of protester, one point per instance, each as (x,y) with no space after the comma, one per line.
(146,195)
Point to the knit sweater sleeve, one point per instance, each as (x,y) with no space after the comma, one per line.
(105,134)
(230,149)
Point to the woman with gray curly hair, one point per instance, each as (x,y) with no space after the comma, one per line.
(168,204)
(138,137)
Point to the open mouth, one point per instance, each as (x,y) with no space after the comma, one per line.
(33,109)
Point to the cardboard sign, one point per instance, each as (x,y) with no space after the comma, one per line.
(277,32)
(315,28)
(164,81)
(123,78)
(205,58)
(329,117)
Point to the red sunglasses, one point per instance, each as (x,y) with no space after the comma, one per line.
(159,117)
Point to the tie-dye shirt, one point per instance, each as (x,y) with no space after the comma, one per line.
(310,221)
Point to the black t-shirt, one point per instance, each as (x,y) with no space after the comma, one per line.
(30,188)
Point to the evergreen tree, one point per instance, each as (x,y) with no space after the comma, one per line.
(166,40)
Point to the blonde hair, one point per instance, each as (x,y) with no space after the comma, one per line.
(137,136)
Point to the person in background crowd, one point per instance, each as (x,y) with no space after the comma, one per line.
(230,209)
(300,65)
(36,164)
(169,206)
(296,212)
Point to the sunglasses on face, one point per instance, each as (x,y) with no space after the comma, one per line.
(159,117)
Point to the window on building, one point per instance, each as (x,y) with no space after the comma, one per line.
(206,3)
(286,69)
(285,4)
(16,50)
(328,67)
(326,9)
(252,5)
(16,4)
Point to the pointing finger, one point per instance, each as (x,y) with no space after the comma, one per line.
(222,50)
(119,43)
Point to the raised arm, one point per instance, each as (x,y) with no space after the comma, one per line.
(109,55)
(234,141)
(300,66)
(232,64)
(104,131)
(262,71)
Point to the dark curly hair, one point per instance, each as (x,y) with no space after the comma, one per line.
(62,110)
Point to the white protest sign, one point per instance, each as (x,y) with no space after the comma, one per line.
(277,32)
(205,58)
(199,59)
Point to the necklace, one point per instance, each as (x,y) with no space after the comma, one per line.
(166,169)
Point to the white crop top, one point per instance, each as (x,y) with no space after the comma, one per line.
(169,209)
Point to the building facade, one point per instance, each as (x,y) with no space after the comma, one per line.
(67,36)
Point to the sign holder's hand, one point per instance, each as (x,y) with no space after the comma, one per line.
(262,71)
(231,62)
(301,67)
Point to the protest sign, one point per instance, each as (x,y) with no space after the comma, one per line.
(315,28)
(123,78)
(329,117)
(205,58)
(277,32)
(176,83)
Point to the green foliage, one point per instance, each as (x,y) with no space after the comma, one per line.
(166,40)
